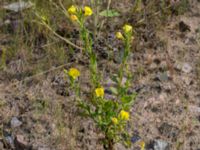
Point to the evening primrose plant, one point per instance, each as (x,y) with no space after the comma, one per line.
(110,116)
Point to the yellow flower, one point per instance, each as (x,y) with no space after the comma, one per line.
(72,9)
(124,115)
(74,73)
(119,35)
(73,17)
(114,120)
(127,28)
(142,145)
(87,11)
(99,92)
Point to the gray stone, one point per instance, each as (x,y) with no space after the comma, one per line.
(15,122)
(9,140)
(18,6)
(194,109)
(186,68)
(190,41)
(20,142)
(160,145)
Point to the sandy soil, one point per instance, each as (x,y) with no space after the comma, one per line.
(167,79)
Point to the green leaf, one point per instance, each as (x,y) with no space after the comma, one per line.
(109,13)
(85,108)
(114,90)
(126,99)
(108,106)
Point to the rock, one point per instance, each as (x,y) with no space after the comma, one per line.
(187,41)
(160,145)
(190,41)
(18,6)
(194,109)
(186,68)
(20,143)
(9,141)
(15,122)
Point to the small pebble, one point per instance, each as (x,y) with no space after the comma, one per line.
(9,140)
(160,145)
(15,122)
(186,68)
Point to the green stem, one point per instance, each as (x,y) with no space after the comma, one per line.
(92,57)
(109,143)
(124,61)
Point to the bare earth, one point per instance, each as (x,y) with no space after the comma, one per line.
(167,79)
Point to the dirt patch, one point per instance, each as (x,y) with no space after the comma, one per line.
(165,62)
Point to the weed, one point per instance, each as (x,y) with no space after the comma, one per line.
(110,116)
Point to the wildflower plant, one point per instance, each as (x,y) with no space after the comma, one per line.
(110,116)
(79,16)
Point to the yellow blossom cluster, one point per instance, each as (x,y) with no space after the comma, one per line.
(123,116)
(127,29)
(74,12)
